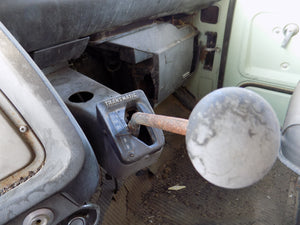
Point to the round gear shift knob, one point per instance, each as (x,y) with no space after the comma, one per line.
(233,137)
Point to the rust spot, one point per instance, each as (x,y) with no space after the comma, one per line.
(167,123)
(32,142)
(6,184)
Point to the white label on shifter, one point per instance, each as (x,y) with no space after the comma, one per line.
(119,99)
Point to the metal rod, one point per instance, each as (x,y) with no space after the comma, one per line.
(167,123)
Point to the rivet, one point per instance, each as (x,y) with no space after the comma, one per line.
(284,66)
(23,129)
(277,30)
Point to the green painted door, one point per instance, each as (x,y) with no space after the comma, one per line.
(264,50)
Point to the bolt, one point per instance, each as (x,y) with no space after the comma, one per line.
(22,129)
(131,154)
(285,66)
(218,50)
(277,30)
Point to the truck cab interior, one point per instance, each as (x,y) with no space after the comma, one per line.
(75,74)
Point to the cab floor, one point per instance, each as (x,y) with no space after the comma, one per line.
(144,198)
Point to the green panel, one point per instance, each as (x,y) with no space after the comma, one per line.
(255,55)
(204,81)
(279,101)
(201,86)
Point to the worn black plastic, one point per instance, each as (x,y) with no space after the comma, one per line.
(125,153)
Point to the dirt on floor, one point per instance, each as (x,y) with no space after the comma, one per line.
(145,198)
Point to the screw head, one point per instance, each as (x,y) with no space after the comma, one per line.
(285,66)
(23,129)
